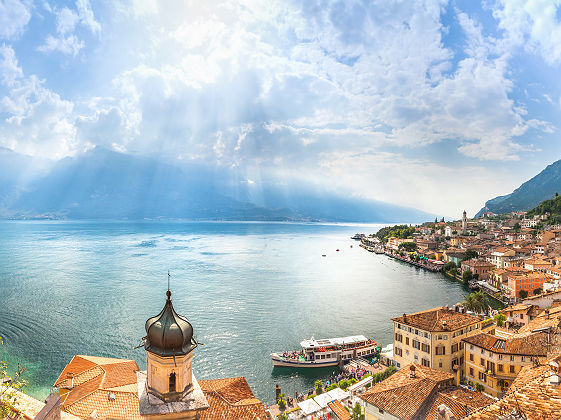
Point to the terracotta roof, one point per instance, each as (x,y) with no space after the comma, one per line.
(539,323)
(93,380)
(530,395)
(459,400)
(339,410)
(527,344)
(231,398)
(433,320)
(404,396)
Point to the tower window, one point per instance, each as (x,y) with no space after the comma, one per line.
(172,382)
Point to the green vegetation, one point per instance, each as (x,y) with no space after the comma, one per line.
(449,265)
(470,253)
(537,291)
(357,413)
(467,276)
(552,206)
(408,246)
(476,302)
(523,294)
(282,416)
(318,386)
(479,387)
(499,319)
(399,231)
(8,396)
(281,402)
(379,377)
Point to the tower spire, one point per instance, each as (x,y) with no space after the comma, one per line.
(168,293)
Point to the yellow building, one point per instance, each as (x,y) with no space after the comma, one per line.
(494,362)
(433,338)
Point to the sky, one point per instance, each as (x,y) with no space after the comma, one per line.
(438,105)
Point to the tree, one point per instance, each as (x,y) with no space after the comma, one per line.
(331,387)
(476,302)
(357,412)
(523,294)
(467,276)
(537,291)
(8,396)
(436,220)
(470,253)
(318,385)
(408,246)
(281,402)
(442,220)
(517,227)
(499,319)
(282,416)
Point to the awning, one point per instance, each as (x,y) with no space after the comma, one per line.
(309,406)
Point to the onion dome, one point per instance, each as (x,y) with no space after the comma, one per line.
(168,333)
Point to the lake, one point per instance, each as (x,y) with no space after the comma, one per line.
(249,289)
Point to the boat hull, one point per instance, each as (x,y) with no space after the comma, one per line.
(282,362)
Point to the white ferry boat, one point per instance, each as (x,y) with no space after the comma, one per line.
(327,352)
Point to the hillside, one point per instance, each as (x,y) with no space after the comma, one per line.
(103,184)
(531,193)
(553,207)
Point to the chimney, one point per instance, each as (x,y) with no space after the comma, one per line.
(412,371)
(444,324)
(404,317)
(547,313)
(554,378)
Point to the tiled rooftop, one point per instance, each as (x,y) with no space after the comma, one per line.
(231,398)
(404,396)
(527,344)
(531,395)
(437,320)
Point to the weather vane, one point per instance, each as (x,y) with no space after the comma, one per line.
(168,279)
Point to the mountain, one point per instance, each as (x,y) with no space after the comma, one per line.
(531,193)
(106,184)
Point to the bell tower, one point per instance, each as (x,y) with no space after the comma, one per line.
(169,346)
(464,222)
(168,389)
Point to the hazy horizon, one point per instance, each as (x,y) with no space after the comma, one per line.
(435,105)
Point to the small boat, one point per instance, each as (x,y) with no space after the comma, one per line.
(327,352)
(323,255)
(337,250)
(358,236)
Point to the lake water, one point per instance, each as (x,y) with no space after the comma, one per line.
(249,289)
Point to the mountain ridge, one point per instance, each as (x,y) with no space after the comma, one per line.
(104,184)
(530,194)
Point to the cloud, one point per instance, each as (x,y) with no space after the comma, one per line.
(14,17)
(67,21)
(39,121)
(533,24)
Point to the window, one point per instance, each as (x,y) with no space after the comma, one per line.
(425,348)
(471,357)
(398,337)
(416,344)
(416,332)
(470,371)
(500,367)
(172,382)
(381,411)
(410,329)
(482,351)
(482,361)
(511,368)
(407,341)
(482,377)
(523,358)
(425,362)
(471,347)
(439,364)
(440,350)
(512,358)
(398,351)
(454,348)
(500,357)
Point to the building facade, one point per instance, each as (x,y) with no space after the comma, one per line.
(433,338)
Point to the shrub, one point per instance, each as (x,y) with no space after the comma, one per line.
(318,386)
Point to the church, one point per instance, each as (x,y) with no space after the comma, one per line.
(102,388)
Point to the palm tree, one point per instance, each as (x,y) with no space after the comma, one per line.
(476,302)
